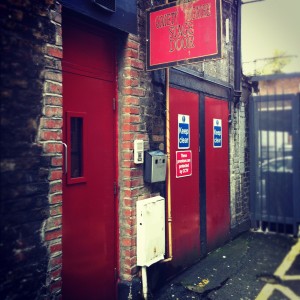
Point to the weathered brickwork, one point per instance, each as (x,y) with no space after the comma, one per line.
(222,69)
(31,160)
(141,116)
(131,126)
(50,137)
(239,162)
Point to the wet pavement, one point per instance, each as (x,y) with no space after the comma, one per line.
(254,265)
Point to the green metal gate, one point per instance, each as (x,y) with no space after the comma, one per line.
(274,162)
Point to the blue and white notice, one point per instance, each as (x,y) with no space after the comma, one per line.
(183,131)
(217,132)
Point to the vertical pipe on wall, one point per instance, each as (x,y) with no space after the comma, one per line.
(237,56)
(169,204)
(169,211)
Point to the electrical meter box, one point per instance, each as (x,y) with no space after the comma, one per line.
(155,166)
(150,218)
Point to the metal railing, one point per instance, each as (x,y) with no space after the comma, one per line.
(274,162)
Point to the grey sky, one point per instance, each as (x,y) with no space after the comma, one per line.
(270,25)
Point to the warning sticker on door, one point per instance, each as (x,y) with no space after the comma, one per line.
(183,163)
(183,131)
(217,132)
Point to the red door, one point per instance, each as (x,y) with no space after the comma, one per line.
(184,148)
(217,172)
(89,229)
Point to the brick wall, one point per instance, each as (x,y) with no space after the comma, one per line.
(31,108)
(50,137)
(223,69)
(240,163)
(141,116)
(131,126)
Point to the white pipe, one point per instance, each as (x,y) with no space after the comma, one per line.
(144,282)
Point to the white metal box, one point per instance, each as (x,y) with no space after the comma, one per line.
(150,230)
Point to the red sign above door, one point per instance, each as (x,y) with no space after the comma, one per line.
(183,33)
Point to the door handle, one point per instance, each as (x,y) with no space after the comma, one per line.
(66,157)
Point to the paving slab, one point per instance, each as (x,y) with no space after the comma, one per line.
(238,270)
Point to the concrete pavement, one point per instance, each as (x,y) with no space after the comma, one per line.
(253,266)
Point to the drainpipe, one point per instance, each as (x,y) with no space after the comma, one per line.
(144,282)
(237,56)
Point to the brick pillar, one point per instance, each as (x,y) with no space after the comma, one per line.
(141,116)
(132,126)
(50,137)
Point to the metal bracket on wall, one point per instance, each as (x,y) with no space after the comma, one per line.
(66,157)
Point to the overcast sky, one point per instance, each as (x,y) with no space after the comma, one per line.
(270,25)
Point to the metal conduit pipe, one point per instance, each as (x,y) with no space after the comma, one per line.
(169,203)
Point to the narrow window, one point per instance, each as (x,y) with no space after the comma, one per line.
(76,127)
(76,147)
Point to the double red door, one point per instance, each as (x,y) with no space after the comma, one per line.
(89,210)
(198,120)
